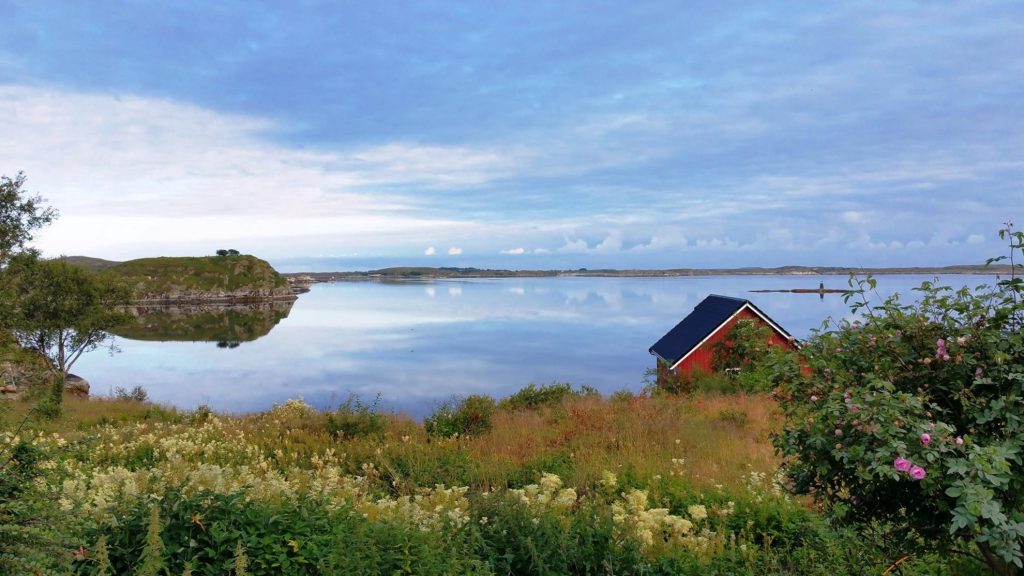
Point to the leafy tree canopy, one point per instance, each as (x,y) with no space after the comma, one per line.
(20,214)
(59,310)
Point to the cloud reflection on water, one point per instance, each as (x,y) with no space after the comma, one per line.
(417,344)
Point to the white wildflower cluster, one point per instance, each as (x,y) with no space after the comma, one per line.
(429,509)
(655,527)
(761,486)
(547,494)
(212,459)
(292,409)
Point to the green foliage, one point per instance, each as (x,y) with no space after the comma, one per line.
(102,557)
(747,356)
(50,402)
(470,416)
(241,560)
(385,548)
(353,419)
(31,540)
(59,310)
(516,540)
(533,396)
(20,215)
(155,278)
(622,396)
(153,560)
(911,418)
(136,394)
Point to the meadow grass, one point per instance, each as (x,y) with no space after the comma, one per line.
(580,484)
(706,441)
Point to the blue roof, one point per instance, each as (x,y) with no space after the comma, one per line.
(711,313)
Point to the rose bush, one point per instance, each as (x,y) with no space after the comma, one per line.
(910,419)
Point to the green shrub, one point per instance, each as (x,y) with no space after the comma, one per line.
(205,530)
(911,418)
(136,394)
(472,415)
(623,396)
(516,540)
(353,419)
(384,548)
(33,532)
(533,396)
(428,467)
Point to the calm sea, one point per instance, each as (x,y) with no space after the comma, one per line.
(416,344)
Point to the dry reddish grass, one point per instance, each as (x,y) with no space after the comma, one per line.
(718,438)
(714,439)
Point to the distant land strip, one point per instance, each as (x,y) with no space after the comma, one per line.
(430,273)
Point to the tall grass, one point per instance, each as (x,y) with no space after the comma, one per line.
(575,484)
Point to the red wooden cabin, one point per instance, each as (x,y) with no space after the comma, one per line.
(688,348)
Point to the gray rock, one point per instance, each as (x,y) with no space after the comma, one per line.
(76,386)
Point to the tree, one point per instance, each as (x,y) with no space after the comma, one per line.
(59,310)
(222,252)
(233,252)
(910,420)
(20,215)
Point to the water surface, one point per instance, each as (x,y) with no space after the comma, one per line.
(419,343)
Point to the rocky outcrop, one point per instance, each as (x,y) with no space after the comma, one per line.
(76,386)
(15,379)
(240,296)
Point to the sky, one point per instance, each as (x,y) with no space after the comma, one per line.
(525,135)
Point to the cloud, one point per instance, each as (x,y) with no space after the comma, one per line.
(430,251)
(852,217)
(975,239)
(454,251)
(158,176)
(519,250)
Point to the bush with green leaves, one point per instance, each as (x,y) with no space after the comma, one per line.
(354,419)
(472,415)
(533,396)
(136,394)
(748,357)
(911,418)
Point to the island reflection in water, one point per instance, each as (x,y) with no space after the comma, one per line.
(226,324)
(419,343)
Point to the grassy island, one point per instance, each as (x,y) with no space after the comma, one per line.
(208,278)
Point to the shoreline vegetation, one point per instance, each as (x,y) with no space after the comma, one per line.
(552,480)
(432,273)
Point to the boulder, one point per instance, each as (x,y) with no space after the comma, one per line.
(76,386)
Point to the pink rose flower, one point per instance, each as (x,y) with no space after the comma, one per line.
(959,441)
(854,408)
(839,433)
(940,343)
(917,473)
(926,438)
(901,464)
(814,398)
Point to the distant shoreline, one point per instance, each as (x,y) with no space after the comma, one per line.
(427,273)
